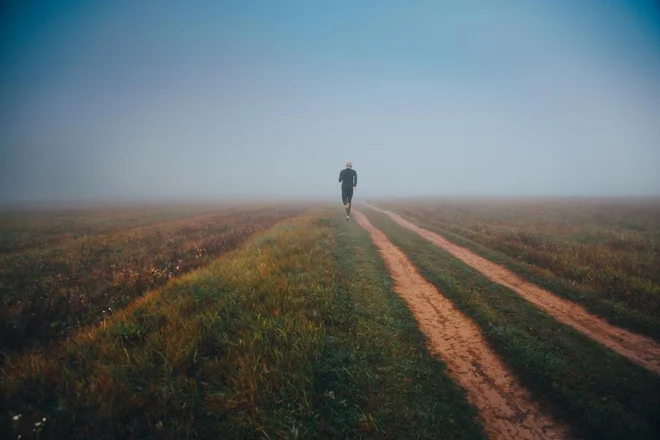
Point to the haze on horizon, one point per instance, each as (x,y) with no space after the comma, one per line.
(129,100)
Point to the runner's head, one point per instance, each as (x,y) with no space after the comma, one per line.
(349,165)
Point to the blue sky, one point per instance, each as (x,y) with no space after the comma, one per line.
(164,99)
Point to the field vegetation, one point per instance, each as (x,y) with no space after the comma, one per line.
(596,391)
(283,322)
(295,335)
(28,228)
(87,274)
(604,254)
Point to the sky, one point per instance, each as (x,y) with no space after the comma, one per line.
(129,100)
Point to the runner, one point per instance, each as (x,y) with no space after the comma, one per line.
(348,179)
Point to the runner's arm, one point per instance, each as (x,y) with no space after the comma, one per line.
(341,175)
(355,179)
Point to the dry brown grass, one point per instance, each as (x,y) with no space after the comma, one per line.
(48,291)
(26,229)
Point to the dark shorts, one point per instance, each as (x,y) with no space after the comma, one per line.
(346,195)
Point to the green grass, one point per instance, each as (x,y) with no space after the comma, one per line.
(603,256)
(597,392)
(415,397)
(47,292)
(295,335)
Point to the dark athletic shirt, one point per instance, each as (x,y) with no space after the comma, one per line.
(348,178)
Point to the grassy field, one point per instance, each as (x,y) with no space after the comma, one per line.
(79,279)
(604,254)
(265,322)
(597,392)
(25,229)
(295,335)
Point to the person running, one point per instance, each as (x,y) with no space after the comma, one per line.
(348,179)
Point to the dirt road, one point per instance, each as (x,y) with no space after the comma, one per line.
(639,349)
(506,408)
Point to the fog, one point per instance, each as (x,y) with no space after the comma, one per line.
(130,100)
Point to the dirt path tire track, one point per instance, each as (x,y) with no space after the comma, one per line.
(506,408)
(640,349)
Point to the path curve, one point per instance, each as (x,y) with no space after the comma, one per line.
(640,349)
(506,408)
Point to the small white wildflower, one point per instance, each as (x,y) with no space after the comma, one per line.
(17,416)
(37,424)
(44,419)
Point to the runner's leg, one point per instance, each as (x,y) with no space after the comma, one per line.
(350,200)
